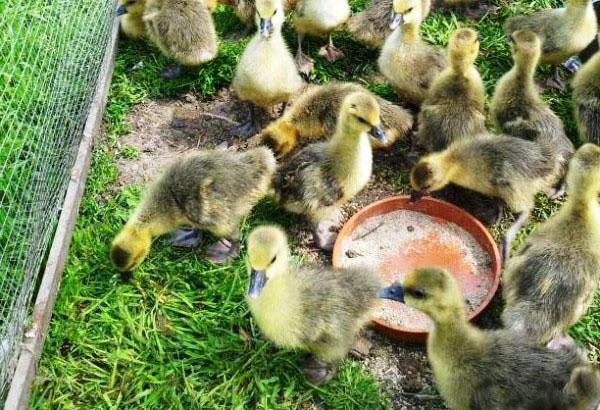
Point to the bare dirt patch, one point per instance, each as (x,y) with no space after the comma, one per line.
(163,130)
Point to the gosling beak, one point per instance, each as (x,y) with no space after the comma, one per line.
(396,20)
(416,196)
(258,279)
(394,292)
(378,134)
(511,38)
(121,9)
(265,27)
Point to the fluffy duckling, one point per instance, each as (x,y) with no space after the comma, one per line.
(477,369)
(246,9)
(311,308)
(182,29)
(320,178)
(564,32)
(372,25)
(550,282)
(315,115)
(500,166)
(586,92)
(443,121)
(518,110)
(266,74)
(408,63)
(131,13)
(209,190)
(319,18)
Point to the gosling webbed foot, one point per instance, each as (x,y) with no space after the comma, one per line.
(556,82)
(243,130)
(304,63)
(249,127)
(325,237)
(557,191)
(171,71)
(186,238)
(562,342)
(223,251)
(331,53)
(326,231)
(318,372)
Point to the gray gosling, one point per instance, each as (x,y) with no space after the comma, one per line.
(480,370)
(550,282)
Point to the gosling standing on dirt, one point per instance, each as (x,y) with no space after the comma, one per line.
(477,369)
(266,74)
(454,108)
(319,18)
(518,110)
(315,115)
(564,32)
(407,62)
(311,308)
(586,92)
(550,282)
(208,190)
(319,179)
(501,166)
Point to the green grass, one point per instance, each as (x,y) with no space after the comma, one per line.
(179,335)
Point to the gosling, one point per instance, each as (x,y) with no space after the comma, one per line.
(208,190)
(266,74)
(372,25)
(477,369)
(586,93)
(315,115)
(500,166)
(311,308)
(181,29)
(518,110)
(564,32)
(131,18)
(550,282)
(320,178)
(406,61)
(319,18)
(454,108)
(443,120)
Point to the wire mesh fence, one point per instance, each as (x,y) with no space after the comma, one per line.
(51,52)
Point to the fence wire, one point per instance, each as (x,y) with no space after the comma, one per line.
(51,52)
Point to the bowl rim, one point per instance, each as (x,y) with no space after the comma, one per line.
(408,334)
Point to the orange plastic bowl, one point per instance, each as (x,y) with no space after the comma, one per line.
(433,250)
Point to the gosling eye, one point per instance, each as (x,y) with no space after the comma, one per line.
(416,293)
(363,121)
(275,12)
(409,10)
(273,260)
(130,2)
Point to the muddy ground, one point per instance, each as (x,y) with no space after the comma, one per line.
(163,130)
